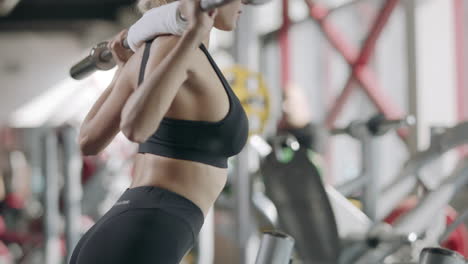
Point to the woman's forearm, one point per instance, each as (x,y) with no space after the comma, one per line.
(146,107)
(97,105)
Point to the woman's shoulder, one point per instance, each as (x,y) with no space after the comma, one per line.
(165,42)
(162,45)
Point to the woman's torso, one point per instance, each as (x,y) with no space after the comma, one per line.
(201,97)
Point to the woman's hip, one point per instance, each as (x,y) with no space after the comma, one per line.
(146,224)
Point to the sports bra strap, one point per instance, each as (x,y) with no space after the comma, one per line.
(144,62)
(146,54)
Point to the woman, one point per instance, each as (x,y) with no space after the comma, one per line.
(171,98)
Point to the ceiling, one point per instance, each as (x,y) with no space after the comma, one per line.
(34,10)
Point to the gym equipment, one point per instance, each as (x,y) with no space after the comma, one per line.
(440,256)
(418,220)
(407,179)
(100,57)
(156,21)
(294,184)
(30,233)
(250,87)
(267,211)
(360,241)
(275,248)
(72,189)
(455,236)
(51,214)
(365,132)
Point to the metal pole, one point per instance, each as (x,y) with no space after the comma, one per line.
(411,44)
(440,256)
(206,248)
(243,204)
(406,179)
(462,111)
(453,226)
(245,54)
(285,50)
(349,187)
(276,248)
(35,149)
(419,219)
(377,27)
(73,191)
(51,199)
(371,189)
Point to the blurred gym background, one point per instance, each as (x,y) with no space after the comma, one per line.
(351,59)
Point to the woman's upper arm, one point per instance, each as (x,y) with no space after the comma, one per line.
(160,49)
(103,127)
(165,73)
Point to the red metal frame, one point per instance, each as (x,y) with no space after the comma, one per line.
(284,47)
(285,54)
(358,61)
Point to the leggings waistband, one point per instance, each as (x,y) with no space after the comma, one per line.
(168,201)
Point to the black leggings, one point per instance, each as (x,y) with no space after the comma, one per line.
(146,225)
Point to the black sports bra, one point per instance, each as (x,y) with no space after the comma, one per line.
(207,142)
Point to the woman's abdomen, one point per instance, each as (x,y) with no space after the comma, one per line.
(198,182)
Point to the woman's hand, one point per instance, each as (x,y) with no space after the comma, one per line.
(119,53)
(199,22)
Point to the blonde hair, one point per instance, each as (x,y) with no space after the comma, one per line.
(145,5)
